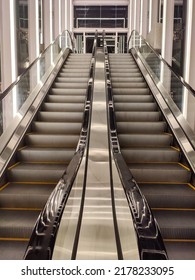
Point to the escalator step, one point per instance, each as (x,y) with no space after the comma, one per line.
(169,195)
(143,140)
(68,91)
(65,98)
(127,91)
(129,85)
(137,116)
(141,127)
(56,128)
(159,172)
(180,250)
(130,79)
(72,80)
(49,140)
(70,85)
(135,107)
(25,195)
(63,107)
(123,75)
(13,248)
(60,116)
(75,70)
(133,98)
(35,154)
(74,74)
(176,224)
(36,172)
(17,223)
(150,154)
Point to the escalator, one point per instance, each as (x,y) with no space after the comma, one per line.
(43,155)
(154,156)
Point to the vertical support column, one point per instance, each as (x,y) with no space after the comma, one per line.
(57,18)
(67,19)
(144,15)
(8,57)
(8,43)
(131,16)
(152,36)
(63,15)
(34,46)
(47,22)
(71,15)
(167,33)
(137,15)
(189,64)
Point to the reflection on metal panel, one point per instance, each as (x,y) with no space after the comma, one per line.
(97,236)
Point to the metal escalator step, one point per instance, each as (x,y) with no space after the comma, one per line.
(17,223)
(176,224)
(137,116)
(159,172)
(63,107)
(180,250)
(74,74)
(133,98)
(68,91)
(122,75)
(127,91)
(74,70)
(65,98)
(56,128)
(78,66)
(49,140)
(150,154)
(72,80)
(60,116)
(129,85)
(141,127)
(122,67)
(36,172)
(70,85)
(135,106)
(12,249)
(138,140)
(169,195)
(129,79)
(119,70)
(18,195)
(47,154)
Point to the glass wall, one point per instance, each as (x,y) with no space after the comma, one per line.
(100,16)
(41,25)
(22,34)
(178,38)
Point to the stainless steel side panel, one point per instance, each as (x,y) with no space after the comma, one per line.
(97,236)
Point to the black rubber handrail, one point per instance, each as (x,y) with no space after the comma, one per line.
(180,78)
(9,89)
(42,241)
(150,242)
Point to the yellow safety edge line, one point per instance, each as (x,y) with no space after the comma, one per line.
(163,183)
(4,186)
(174,209)
(36,182)
(20,209)
(179,240)
(13,239)
(15,164)
(177,149)
(191,186)
(184,166)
